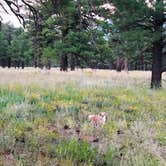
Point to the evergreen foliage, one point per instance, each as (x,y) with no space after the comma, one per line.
(15,46)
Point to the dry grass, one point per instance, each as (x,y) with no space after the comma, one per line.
(83,78)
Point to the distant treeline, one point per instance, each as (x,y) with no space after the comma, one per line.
(17,50)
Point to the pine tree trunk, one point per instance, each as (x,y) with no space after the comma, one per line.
(22,65)
(48,66)
(72,62)
(18,64)
(39,61)
(34,61)
(63,62)
(156,66)
(126,68)
(9,62)
(3,62)
(118,64)
(15,64)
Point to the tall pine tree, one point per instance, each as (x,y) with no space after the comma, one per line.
(147,20)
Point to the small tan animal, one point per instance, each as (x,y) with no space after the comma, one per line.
(98,119)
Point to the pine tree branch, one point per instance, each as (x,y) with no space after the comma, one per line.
(16,11)
(15,8)
(4,8)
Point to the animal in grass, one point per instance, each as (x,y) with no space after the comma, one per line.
(98,119)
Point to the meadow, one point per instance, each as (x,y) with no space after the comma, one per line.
(43,118)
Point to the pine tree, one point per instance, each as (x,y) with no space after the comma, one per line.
(141,20)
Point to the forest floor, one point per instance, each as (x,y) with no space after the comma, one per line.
(44,118)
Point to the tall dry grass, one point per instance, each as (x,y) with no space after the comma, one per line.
(82,78)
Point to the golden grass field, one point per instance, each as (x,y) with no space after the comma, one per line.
(85,77)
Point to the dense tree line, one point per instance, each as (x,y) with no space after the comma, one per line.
(126,34)
(20,48)
(16,47)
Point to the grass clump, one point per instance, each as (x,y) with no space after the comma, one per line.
(80,151)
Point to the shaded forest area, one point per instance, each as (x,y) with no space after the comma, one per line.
(127,35)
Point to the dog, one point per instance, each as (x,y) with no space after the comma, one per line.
(98,119)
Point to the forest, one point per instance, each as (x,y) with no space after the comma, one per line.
(83,83)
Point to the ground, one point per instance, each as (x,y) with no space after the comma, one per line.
(43,118)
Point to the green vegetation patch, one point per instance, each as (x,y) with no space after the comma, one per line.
(52,126)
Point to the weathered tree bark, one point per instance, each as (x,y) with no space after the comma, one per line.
(157,65)
(63,62)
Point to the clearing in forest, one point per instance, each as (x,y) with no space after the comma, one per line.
(44,118)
